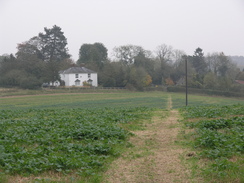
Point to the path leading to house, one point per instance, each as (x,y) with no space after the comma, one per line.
(154,157)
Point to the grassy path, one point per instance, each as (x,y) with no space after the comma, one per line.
(154,157)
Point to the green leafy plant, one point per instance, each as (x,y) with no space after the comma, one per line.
(38,140)
(218,139)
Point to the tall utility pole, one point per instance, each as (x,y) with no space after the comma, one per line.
(186,82)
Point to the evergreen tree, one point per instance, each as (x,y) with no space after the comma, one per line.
(53,48)
(198,62)
(53,44)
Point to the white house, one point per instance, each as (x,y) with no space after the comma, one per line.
(77,76)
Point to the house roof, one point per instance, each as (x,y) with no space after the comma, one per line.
(72,70)
(240,82)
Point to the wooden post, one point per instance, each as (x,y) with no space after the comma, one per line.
(186,82)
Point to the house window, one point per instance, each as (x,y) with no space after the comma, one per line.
(76,75)
(89,81)
(89,75)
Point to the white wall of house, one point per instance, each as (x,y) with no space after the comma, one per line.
(77,79)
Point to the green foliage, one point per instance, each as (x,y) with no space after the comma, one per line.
(240,76)
(95,54)
(133,70)
(198,62)
(219,139)
(26,72)
(85,83)
(86,100)
(142,60)
(137,78)
(210,80)
(208,91)
(113,74)
(53,44)
(213,111)
(30,83)
(37,60)
(216,71)
(62,140)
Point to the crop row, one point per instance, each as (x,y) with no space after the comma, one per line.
(219,136)
(212,111)
(38,140)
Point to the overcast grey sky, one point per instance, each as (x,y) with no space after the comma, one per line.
(213,25)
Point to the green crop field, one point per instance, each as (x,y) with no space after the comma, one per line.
(86,100)
(80,141)
(80,134)
(101,100)
(196,100)
(218,139)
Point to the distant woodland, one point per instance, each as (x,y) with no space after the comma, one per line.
(238,60)
(39,60)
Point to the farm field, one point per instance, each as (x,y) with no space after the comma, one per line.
(85,100)
(217,138)
(101,100)
(75,137)
(77,141)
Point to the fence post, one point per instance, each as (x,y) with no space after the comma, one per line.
(186,82)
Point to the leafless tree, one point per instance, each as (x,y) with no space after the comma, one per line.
(164,53)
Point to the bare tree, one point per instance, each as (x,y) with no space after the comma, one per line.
(212,62)
(177,56)
(127,53)
(164,52)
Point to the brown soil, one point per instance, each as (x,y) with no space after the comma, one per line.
(155,157)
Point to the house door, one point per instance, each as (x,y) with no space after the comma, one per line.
(77,82)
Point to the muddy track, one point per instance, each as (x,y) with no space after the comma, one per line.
(154,157)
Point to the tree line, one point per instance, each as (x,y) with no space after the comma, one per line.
(40,59)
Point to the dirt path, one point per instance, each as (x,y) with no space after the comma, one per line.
(155,157)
